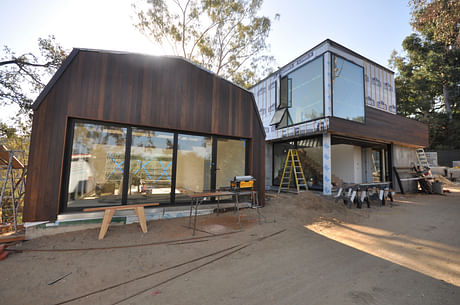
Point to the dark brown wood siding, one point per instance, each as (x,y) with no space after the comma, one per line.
(157,92)
(384,127)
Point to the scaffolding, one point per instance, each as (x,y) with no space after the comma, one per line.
(12,184)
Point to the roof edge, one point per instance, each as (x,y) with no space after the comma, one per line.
(75,51)
(326,41)
(55,78)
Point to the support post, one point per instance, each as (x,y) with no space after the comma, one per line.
(327,171)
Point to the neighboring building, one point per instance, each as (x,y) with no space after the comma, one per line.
(339,109)
(116,128)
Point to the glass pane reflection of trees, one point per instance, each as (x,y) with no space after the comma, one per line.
(150,170)
(97,162)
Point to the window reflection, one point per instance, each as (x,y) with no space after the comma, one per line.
(150,166)
(97,164)
(302,93)
(348,89)
(194,155)
(231,155)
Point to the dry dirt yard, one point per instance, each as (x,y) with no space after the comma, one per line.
(310,250)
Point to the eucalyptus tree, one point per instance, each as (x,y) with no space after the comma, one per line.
(224,36)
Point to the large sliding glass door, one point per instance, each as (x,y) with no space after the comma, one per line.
(150,171)
(231,155)
(194,157)
(96,165)
(114,165)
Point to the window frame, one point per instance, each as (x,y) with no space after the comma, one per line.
(65,172)
(278,105)
(332,90)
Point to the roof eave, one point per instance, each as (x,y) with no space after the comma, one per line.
(54,79)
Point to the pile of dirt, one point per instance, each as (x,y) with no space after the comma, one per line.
(305,206)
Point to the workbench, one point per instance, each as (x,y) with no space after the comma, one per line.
(198,198)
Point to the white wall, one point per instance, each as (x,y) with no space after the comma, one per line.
(346,163)
(268,165)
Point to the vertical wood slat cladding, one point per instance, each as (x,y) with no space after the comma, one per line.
(383,126)
(133,89)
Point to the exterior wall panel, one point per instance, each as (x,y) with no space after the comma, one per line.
(384,127)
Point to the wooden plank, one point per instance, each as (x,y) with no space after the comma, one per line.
(12,238)
(121,207)
(5,158)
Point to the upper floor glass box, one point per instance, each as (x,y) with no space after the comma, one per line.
(301,92)
(347,89)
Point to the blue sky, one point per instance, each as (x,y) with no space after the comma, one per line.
(373,28)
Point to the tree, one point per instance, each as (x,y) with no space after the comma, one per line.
(428,73)
(23,76)
(224,36)
(439,19)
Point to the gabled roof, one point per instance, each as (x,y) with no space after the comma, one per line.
(76,51)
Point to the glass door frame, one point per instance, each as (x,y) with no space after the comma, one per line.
(65,171)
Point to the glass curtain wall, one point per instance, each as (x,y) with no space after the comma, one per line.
(97,165)
(231,155)
(150,171)
(302,93)
(194,158)
(347,90)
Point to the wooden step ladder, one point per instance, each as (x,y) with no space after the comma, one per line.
(292,168)
(422,159)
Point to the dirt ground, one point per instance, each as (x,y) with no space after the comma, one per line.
(308,250)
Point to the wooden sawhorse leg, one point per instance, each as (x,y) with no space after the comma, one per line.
(141,216)
(105,222)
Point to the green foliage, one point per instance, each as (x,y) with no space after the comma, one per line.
(439,20)
(23,76)
(428,73)
(16,138)
(224,36)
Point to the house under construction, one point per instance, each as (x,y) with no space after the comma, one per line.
(116,128)
(338,109)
